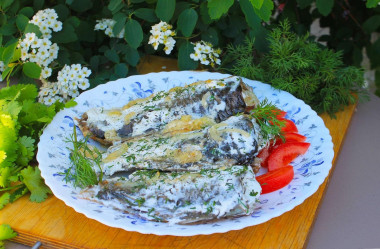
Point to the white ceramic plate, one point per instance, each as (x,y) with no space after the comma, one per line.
(311,169)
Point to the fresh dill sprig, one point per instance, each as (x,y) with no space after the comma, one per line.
(83,159)
(302,67)
(266,115)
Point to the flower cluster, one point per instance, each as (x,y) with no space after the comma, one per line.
(47,21)
(107,25)
(206,54)
(70,78)
(162,33)
(41,51)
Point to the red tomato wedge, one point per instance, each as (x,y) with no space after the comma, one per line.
(282,114)
(294,137)
(290,126)
(276,179)
(285,153)
(263,155)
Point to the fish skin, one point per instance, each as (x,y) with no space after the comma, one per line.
(161,152)
(183,197)
(229,97)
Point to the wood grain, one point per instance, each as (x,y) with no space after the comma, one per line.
(59,226)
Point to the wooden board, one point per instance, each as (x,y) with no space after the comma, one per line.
(59,226)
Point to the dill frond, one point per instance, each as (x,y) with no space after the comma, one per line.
(301,67)
(83,159)
(266,116)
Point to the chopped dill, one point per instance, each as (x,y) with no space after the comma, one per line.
(83,159)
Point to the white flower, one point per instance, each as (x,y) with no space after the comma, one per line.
(57,26)
(204,60)
(29,38)
(107,25)
(206,54)
(161,33)
(47,21)
(196,56)
(46,72)
(84,84)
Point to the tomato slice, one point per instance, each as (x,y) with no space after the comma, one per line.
(285,153)
(294,137)
(276,179)
(263,155)
(281,114)
(290,126)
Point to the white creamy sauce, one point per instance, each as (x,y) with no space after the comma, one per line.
(97,116)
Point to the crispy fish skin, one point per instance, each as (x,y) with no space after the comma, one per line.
(232,142)
(217,99)
(181,197)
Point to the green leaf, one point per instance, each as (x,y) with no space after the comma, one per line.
(216,8)
(4,200)
(21,22)
(120,19)
(18,193)
(34,182)
(372,24)
(114,4)
(73,20)
(8,29)
(304,3)
(211,35)
(121,70)
(324,6)
(112,56)
(132,56)
(184,60)
(71,103)
(251,17)
(38,5)
(265,12)
(6,3)
(32,28)
(31,70)
(62,11)
(204,13)
(186,22)
(19,92)
(372,3)
(133,33)
(146,14)
(6,232)
(4,176)
(27,11)
(66,35)
(9,52)
(81,5)
(257,3)
(165,9)
(25,150)
(85,32)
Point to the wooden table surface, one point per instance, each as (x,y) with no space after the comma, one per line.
(59,226)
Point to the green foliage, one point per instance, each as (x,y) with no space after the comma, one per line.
(21,122)
(186,21)
(6,232)
(351,26)
(305,69)
(215,21)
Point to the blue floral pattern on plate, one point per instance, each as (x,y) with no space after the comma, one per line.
(310,169)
